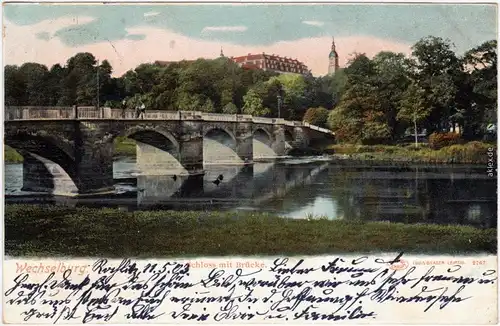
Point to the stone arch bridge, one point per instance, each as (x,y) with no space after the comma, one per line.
(80,141)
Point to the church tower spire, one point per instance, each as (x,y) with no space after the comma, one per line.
(333,59)
(221,53)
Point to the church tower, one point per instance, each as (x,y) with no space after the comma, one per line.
(333,60)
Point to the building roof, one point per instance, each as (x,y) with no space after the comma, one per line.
(273,57)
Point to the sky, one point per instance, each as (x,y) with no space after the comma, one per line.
(129,34)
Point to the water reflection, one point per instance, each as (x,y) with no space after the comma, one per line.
(301,188)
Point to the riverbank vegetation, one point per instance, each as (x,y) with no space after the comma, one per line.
(53,230)
(470,153)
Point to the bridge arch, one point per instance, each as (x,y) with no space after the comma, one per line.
(263,135)
(214,130)
(131,132)
(220,145)
(49,162)
(263,143)
(288,136)
(158,150)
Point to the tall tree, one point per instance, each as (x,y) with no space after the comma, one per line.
(14,86)
(412,108)
(391,80)
(35,77)
(436,69)
(480,96)
(359,116)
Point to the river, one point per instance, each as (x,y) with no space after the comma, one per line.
(301,188)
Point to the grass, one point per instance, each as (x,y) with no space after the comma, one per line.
(11,155)
(123,147)
(472,152)
(61,231)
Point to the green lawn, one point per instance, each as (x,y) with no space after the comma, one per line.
(49,230)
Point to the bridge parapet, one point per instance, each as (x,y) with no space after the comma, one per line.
(270,121)
(87,112)
(32,112)
(90,112)
(323,130)
(161,115)
(294,123)
(219,117)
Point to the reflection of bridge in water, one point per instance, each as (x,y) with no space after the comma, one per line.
(240,185)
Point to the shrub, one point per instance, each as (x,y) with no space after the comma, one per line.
(316,116)
(440,140)
(473,152)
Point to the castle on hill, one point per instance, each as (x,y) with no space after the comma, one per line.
(275,63)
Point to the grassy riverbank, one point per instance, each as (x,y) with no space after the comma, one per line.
(50,230)
(471,153)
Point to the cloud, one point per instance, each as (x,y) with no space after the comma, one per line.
(43,36)
(136,37)
(313,22)
(151,13)
(224,29)
(22,45)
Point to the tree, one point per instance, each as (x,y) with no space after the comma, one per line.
(106,86)
(316,116)
(359,115)
(357,118)
(292,88)
(412,108)
(437,71)
(53,83)
(14,86)
(391,79)
(254,105)
(80,84)
(35,76)
(230,108)
(189,102)
(480,93)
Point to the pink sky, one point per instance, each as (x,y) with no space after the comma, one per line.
(21,45)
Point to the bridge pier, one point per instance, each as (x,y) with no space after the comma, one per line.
(94,164)
(191,153)
(244,142)
(42,175)
(278,141)
(301,139)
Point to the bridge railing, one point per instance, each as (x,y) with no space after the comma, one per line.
(90,112)
(270,121)
(162,115)
(323,130)
(219,117)
(32,112)
(122,114)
